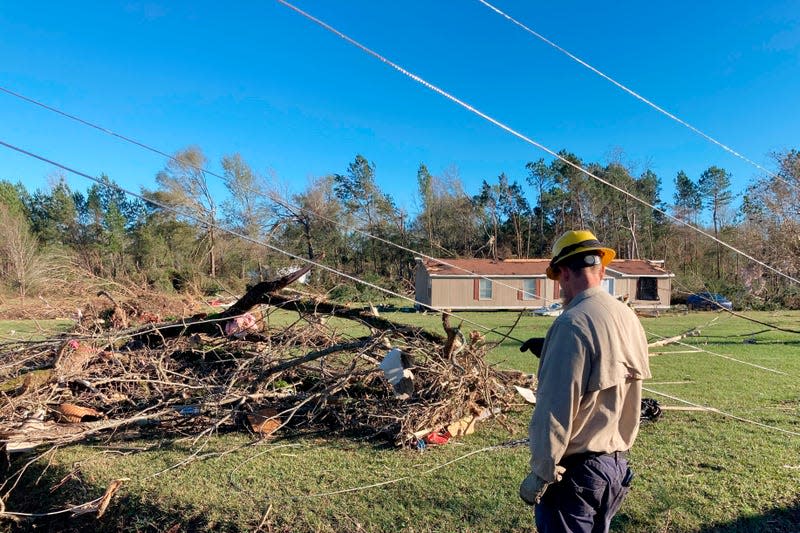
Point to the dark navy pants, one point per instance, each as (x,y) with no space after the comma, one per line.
(587,497)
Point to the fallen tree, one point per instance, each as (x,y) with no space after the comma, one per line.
(270,377)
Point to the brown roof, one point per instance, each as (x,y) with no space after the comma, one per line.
(486,267)
(637,267)
(527,267)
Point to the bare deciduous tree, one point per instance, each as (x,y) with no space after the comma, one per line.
(21,264)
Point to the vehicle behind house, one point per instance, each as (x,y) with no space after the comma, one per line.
(708,300)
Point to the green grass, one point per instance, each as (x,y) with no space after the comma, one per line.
(696,471)
(15,330)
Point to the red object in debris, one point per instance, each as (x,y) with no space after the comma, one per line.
(437,437)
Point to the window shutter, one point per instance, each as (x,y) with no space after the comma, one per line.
(539,288)
(519,295)
(476,288)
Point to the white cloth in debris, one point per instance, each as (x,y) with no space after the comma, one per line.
(392,366)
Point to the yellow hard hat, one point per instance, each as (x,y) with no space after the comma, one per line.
(574,242)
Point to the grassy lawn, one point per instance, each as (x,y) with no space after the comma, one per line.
(16,330)
(696,470)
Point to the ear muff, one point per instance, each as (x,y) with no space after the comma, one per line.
(575,242)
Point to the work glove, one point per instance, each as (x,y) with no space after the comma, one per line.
(532,488)
(534,344)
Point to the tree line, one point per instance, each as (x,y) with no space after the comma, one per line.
(184,236)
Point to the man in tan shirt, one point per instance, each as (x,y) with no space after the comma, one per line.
(588,400)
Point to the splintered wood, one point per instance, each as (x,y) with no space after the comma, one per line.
(188,378)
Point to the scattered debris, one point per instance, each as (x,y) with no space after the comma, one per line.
(694,332)
(437,437)
(264,421)
(554,309)
(75,414)
(215,372)
(240,326)
(466,425)
(651,410)
(229,372)
(527,394)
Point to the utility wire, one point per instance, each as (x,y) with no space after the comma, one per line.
(274,197)
(289,206)
(714,410)
(289,254)
(699,349)
(178,212)
(633,93)
(246,238)
(452,98)
(521,136)
(685,290)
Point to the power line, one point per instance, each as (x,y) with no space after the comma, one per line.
(723,413)
(225,179)
(450,97)
(87,123)
(312,262)
(285,204)
(632,92)
(521,136)
(245,237)
(729,358)
(281,202)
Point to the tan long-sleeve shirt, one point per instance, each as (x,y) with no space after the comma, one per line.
(590,382)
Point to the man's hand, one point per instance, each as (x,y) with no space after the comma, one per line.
(534,344)
(532,488)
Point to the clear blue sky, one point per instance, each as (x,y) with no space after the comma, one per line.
(296,101)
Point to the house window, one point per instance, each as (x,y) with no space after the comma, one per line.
(530,289)
(647,289)
(485,289)
(608,285)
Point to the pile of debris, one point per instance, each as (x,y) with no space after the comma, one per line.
(238,370)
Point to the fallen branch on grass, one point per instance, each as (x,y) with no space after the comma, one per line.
(694,332)
(97,506)
(188,379)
